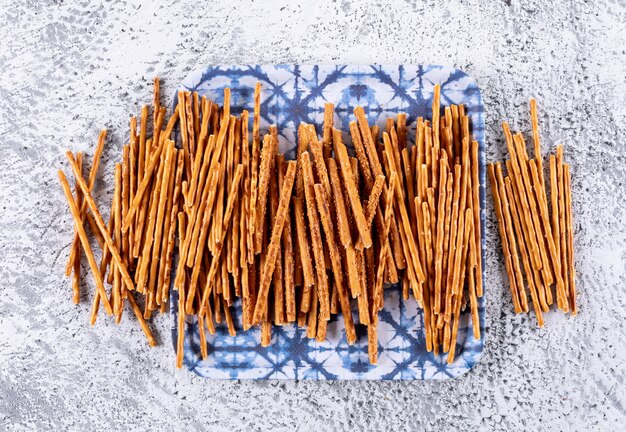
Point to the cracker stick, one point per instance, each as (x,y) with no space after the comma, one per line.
(472,289)
(303,145)
(311,324)
(497,204)
(569,226)
(537,142)
(545,217)
(441,217)
(373,199)
(316,236)
(125,196)
(104,262)
(542,291)
(353,195)
(278,288)
(180,340)
(477,222)
(76,248)
(359,284)
(402,130)
(303,243)
(359,149)
(454,218)
(199,157)
(84,240)
(317,151)
(232,195)
(156,99)
(368,141)
(143,130)
(546,267)
(531,273)
(98,217)
(335,257)
(266,167)
(510,238)
(378,290)
(562,215)
(372,341)
(174,216)
(288,256)
(429,284)
(340,206)
(272,251)
(446,236)
(329,113)
(554,201)
(408,174)
(83,208)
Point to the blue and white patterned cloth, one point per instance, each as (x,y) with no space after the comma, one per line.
(292,94)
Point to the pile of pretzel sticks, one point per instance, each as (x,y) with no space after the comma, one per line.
(540,233)
(296,241)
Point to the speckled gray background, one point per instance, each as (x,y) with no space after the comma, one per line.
(69,68)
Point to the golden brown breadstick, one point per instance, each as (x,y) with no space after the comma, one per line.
(359,149)
(272,251)
(497,204)
(537,143)
(477,223)
(329,114)
(569,226)
(335,257)
(98,218)
(562,216)
(311,325)
(510,238)
(303,243)
(143,130)
(83,208)
(454,218)
(254,173)
(278,313)
(372,341)
(530,272)
(554,205)
(288,255)
(340,206)
(441,217)
(166,228)
(180,340)
(378,290)
(368,141)
(174,216)
(83,238)
(116,293)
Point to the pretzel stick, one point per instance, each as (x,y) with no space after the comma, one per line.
(554,201)
(98,217)
(340,206)
(517,272)
(441,218)
(142,269)
(543,207)
(530,272)
(83,238)
(497,204)
(537,142)
(166,228)
(266,167)
(472,289)
(468,221)
(232,195)
(104,262)
(408,174)
(76,248)
(180,340)
(359,149)
(454,218)
(83,208)
(174,215)
(477,222)
(199,156)
(562,215)
(525,177)
(541,290)
(311,324)
(116,293)
(569,224)
(142,322)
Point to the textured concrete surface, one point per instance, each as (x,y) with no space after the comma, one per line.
(69,68)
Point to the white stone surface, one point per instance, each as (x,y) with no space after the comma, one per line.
(68,68)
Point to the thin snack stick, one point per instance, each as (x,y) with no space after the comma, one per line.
(98,217)
(571,272)
(143,129)
(116,294)
(85,241)
(303,243)
(329,112)
(441,217)
(180,340)
(542,291)
(472,290)
(335,257)
(378,290)
(316,237)
(554,201)
(454,218)
(477,223)
(125,196)
(340,206)
(311,325)
(272,251)
(353,195)
(106,258)
(76,248)
(288,268)
(174,216)
(562,214)
(142,322)
(506,212)
(317,151)
(92,180)
(266,167)
(531,273)
(166,228)
(368,141)
(537,143)
(359,149)
(503,237)
(279,292)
